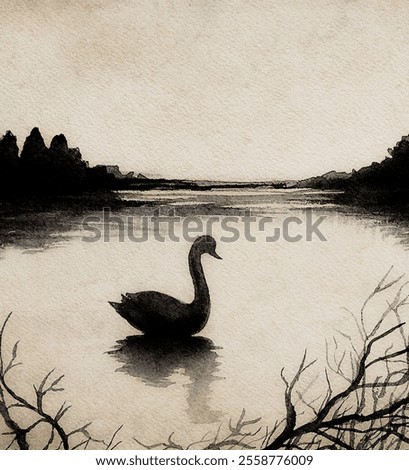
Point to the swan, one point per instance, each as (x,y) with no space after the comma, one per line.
(157,314)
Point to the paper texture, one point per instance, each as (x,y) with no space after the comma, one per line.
(231,103)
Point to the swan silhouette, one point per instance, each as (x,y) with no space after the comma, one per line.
(157,314)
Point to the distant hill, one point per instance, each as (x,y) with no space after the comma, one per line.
(115,171)
(381,183)
(330,180)
(57,169)
(390,174)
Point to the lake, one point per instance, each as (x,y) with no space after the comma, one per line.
(271,301)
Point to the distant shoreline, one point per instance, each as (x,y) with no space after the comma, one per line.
(57,175)
(175,184)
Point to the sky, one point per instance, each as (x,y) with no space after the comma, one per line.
(209,89)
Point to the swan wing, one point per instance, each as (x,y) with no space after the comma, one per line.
(151,311)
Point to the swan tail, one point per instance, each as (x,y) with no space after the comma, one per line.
(116,306)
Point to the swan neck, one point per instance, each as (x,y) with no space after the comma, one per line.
(198,277)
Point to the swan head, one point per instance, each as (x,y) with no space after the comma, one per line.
(206,244)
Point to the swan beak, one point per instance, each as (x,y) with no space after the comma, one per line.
(215,255)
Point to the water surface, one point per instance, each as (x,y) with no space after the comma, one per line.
(271,301)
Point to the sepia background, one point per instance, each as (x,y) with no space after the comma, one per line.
(248,90)
(201,89)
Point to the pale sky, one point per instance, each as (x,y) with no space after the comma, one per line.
(209,89)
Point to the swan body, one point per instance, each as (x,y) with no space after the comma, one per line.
(157,314)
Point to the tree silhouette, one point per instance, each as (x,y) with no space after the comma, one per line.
(39,419)
(58,169)
(40,170)
(9,162)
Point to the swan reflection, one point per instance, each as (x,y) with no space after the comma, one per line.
(157,361)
